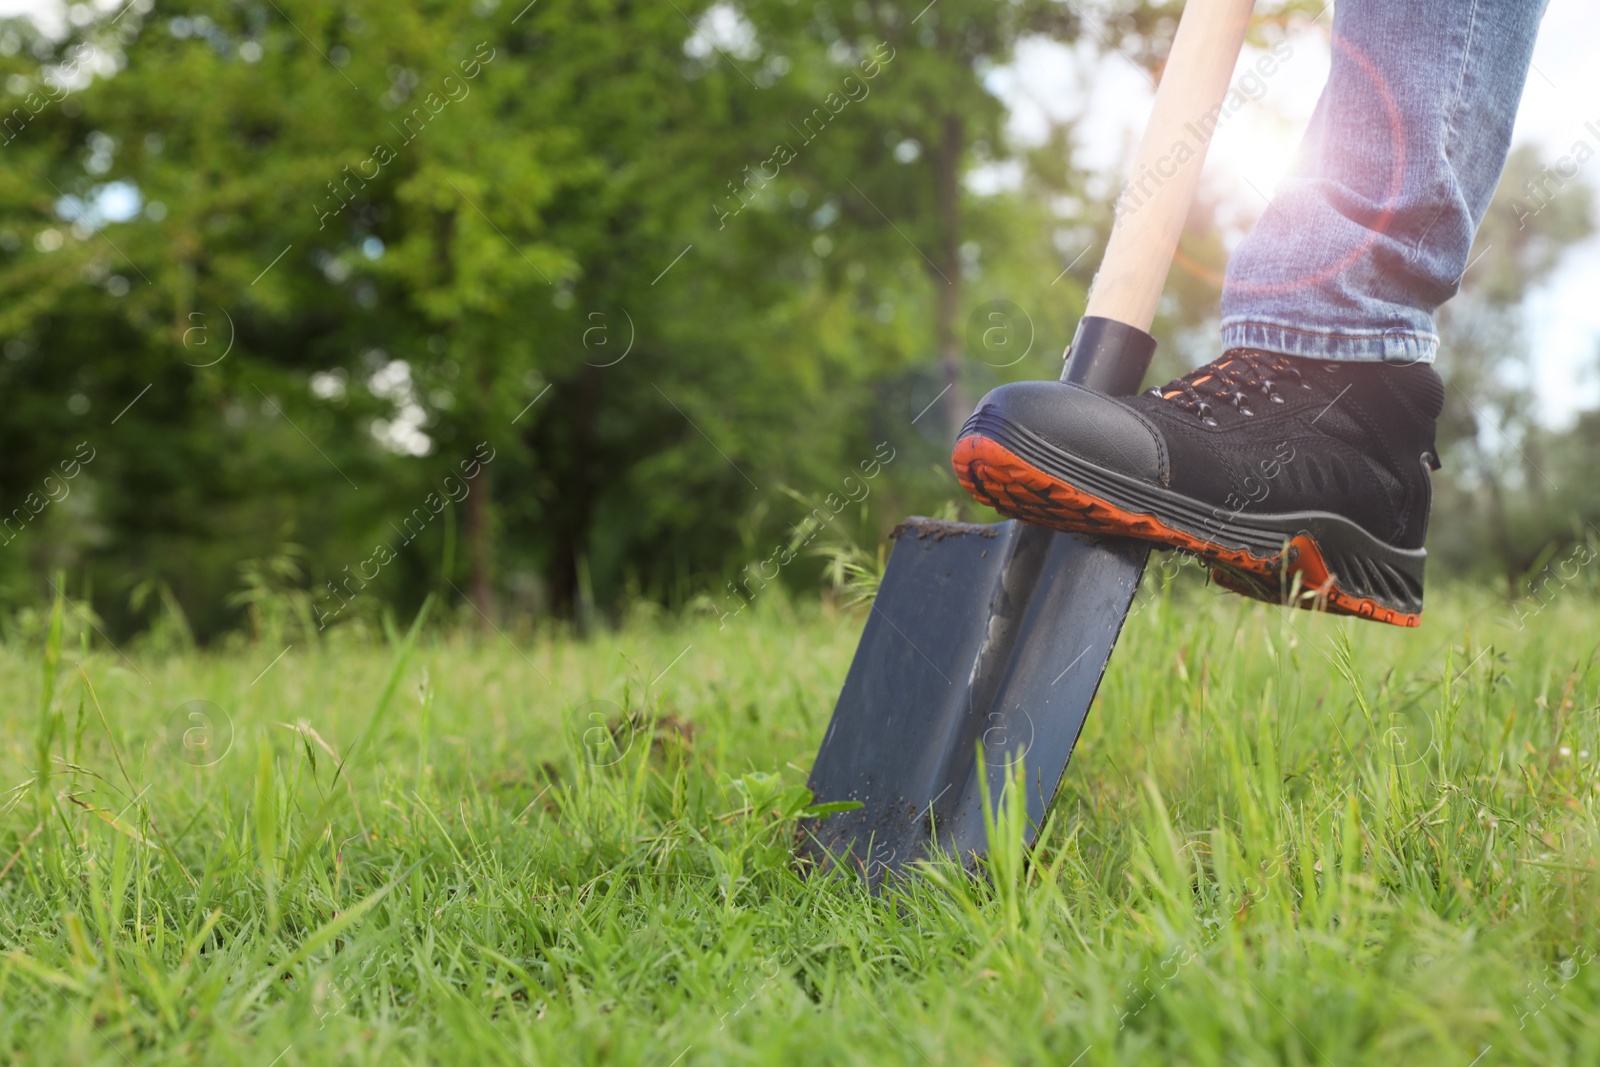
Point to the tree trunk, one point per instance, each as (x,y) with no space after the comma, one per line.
(947,274)
(478,533)
(564,443)
(477,520)
(1500,530)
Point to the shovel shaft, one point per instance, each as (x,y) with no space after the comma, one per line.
(1166,172)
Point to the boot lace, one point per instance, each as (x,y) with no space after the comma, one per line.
(1233,379)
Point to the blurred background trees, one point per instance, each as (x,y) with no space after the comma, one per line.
(554,308)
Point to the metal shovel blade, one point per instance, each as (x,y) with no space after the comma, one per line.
(992,635)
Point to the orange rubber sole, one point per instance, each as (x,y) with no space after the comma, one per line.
(996,476)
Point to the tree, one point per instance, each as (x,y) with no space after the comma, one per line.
(305,267)
(1490,436)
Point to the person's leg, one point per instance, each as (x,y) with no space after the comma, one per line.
(1371,232)
(1304,452)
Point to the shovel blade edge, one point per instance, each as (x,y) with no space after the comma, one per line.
(984,647)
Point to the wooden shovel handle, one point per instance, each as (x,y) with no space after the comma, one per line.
(1166,172)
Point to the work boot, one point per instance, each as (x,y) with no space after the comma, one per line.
(1299,481)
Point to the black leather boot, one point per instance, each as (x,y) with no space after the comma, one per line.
(1297,480)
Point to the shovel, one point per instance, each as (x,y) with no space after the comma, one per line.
(986,643)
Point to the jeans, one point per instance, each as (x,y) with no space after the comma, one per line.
(1371,232)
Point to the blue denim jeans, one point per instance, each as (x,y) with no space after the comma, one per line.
(1372,230)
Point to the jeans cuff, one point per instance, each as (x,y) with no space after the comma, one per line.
(1399,344)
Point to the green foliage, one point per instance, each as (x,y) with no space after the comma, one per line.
(281,273)
(553,232)
(271,595)
(1514,491)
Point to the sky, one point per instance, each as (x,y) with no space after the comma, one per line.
(1562,96)
(1253,151)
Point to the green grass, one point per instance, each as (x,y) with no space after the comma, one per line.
(1284,839)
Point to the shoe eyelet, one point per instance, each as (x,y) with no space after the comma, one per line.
(1246,412)
(1207,420)
(1276,399)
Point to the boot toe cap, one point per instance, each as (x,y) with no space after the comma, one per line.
(1085,424)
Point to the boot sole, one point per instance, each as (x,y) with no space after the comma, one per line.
(1340,567)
